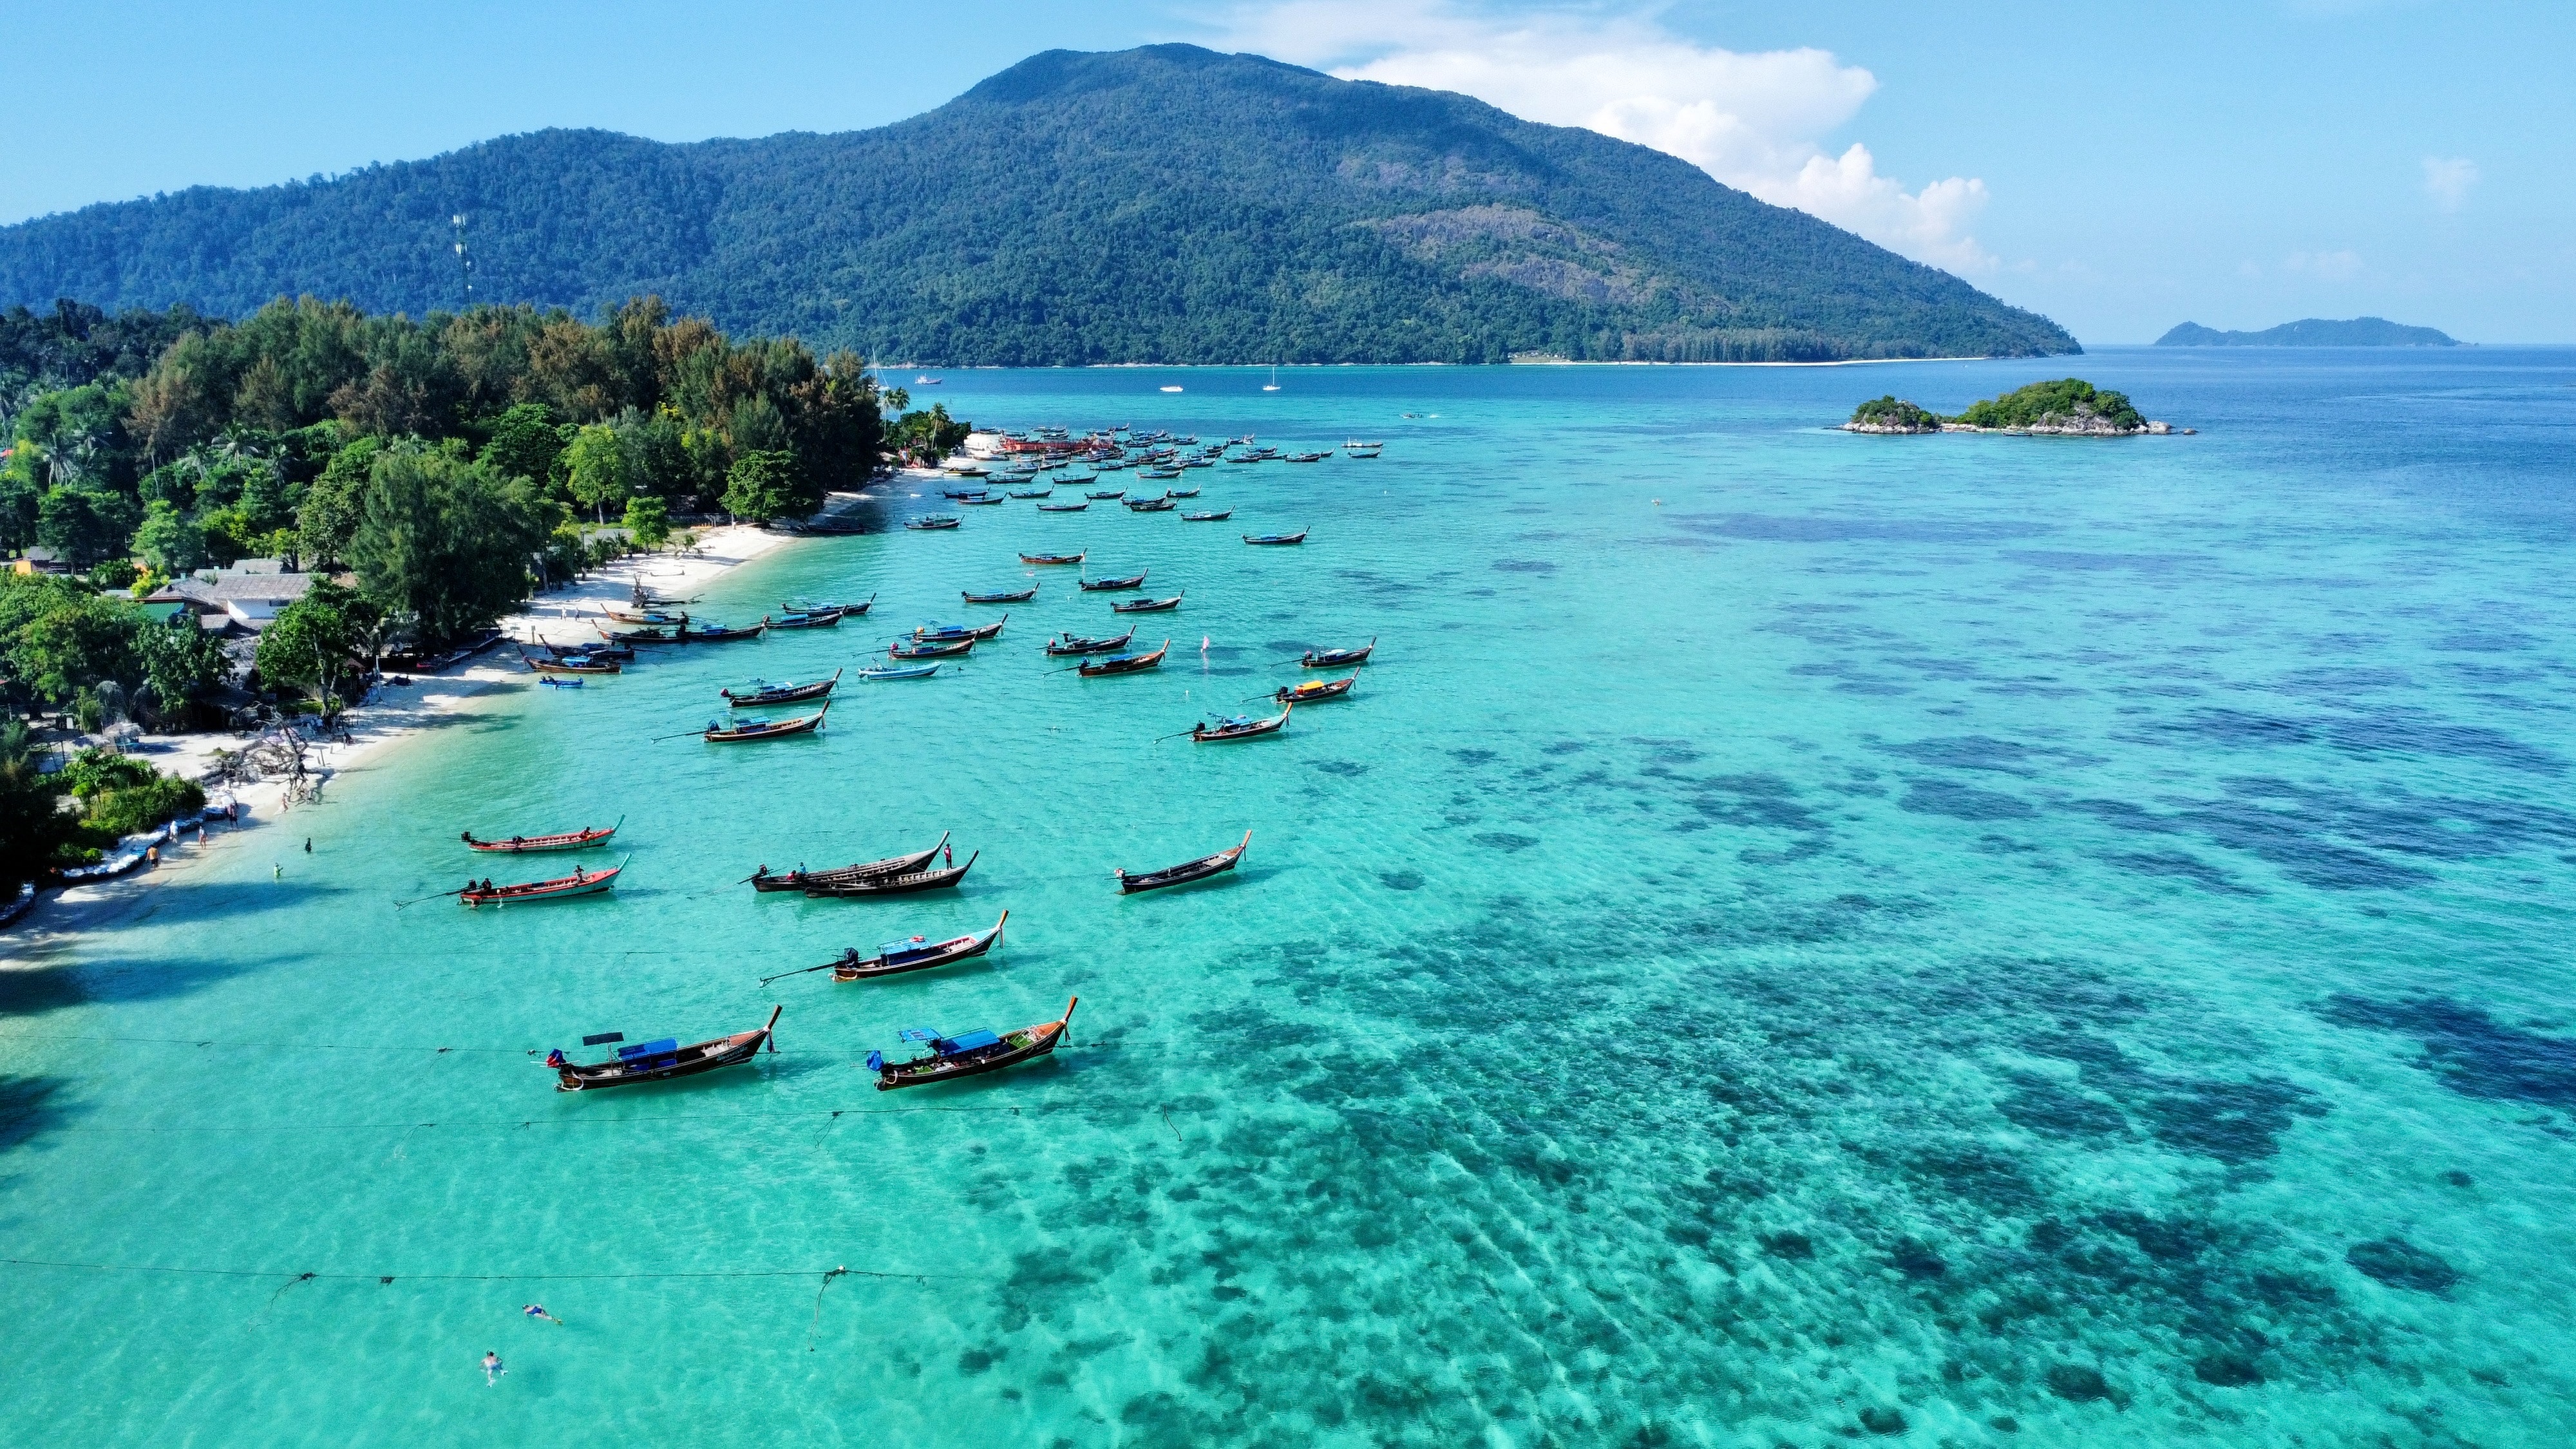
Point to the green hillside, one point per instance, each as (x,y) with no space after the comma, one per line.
(1167,204)
(2313,332)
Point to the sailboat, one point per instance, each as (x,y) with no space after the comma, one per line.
(1273,384)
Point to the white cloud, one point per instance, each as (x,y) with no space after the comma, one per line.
(2447,180)
(2340,266)
(1752,120)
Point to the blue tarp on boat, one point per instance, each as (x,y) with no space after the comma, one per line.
(649,1048)
(966,1042)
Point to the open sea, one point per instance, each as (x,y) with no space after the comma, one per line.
(1795,939)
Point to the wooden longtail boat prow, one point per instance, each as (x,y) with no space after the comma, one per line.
(1172,875)
(563,888)
(583,839)
(660,1061)
(973,1053)
(800,878)
(917,954)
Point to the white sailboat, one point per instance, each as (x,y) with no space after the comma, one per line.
(1273,384)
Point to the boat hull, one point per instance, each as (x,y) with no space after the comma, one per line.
(1043,1039)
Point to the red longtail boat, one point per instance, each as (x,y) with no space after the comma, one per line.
(579,883)
(583,839)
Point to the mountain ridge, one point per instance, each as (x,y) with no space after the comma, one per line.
(1167,204)
(2313,332)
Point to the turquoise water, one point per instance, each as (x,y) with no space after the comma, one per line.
(1794,937)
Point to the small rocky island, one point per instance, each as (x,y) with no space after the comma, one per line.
(2069,407)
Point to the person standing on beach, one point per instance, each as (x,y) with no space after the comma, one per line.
(492,1369)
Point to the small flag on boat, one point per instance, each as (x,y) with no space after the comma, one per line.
(555,1058)
(876,1061)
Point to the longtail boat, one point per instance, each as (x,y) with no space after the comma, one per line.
(551,682)
(1240,727)
(1151,505)
(930,522)
(821,619)
(623,653)
(767,693)
(583,839)
(1336,658)
(1054,558)
(964,495)
(642,616)
(719,634)
(949,633)
(1105,494)
(1183,874)
(1032,492)
(896,885)
(800,878)
(1180,493)
(1147,606)
(916,954)
(1099,586)
(971,1053)
(1072,644)
(1123,663)
(1219,516)
(1308,691)
(570,664)
(989,500)
(1062,508)
(765,729)
(1310,457)
(1005,597)
(659,1061)
(563,888)
(1275,540)
(929,649)
(914,671)
(631,637)
(804,606)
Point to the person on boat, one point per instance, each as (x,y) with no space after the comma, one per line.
(948,854)
(492,1369)
(487,885)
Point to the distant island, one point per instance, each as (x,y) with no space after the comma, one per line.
(2068,407)
(2313,332)
(1161,205)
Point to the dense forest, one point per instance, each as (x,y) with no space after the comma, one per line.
(1167,204)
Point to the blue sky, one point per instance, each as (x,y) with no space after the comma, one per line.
(2236,165)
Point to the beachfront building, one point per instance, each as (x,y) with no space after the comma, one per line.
(244,599)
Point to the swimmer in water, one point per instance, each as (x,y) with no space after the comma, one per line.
(492,1369)
(538,1310)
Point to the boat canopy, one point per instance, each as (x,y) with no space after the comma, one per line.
(917,1033)
(649,1048)
(964,1042)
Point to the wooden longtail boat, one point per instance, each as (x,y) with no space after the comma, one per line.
(929,649)
(964,495)
(1102,586)
(1147,606)
(563,888)
(552,683)
(1336,658)
(973,1053)
(916,671)
(719,634)
(781,693)
(1054,558)
(1217,517)
(622,653)
(1183,874)
(949,633)
(1181,493)
(1105,494)
(1123,663)
(628,638)
(1151,505)
(823,619)
(1022,597)
(1072,644)
(1275,540)
(1310,457)
(642,616)
(1032,492)
(800,878)
(989,500)
(896,885)
(584,839)
(660,1061)
(570,664)
(915,954)
(931,522)
(766,729)
(1308,691)
(801,606)
(1062,507)
(1240,728)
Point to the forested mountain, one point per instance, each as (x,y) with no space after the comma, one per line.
(1167,204)
(2313,332)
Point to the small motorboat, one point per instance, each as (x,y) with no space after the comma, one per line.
(970,1053)
(762,692)
(1275,540)
(562,888)
(1147,606)
(1308,691)
(1336,658)
(1183,874)
(659,1061)
(916,671)
(1072,644)
(587,838)
(931,522)
(929,649)
(917,954)
(1053,558)
(1240,727)
(1123,663)
(718,733)
(1022,597)
(1219,516)
(551,682)
(1100,586)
